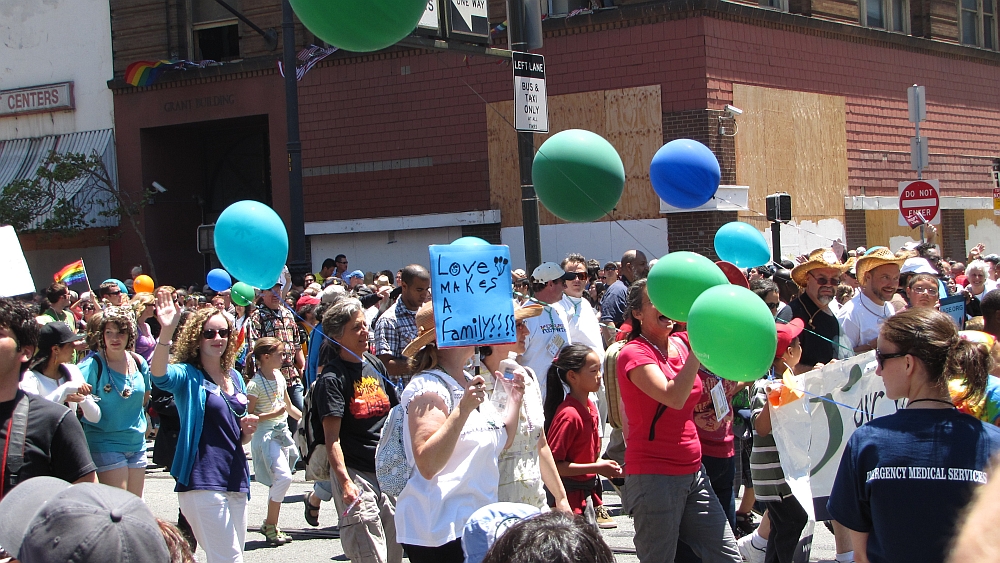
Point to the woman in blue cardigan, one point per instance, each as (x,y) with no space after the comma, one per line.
(213,479)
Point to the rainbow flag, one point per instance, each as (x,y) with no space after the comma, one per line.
(144,73)
(72,273)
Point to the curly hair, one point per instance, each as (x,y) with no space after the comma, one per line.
(122,317)
(187,346)
(141,301)
(19,319)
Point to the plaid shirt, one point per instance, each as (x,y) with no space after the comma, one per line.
(396,328)
(278,324)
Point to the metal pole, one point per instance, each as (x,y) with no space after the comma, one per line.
(297,235)
(529,203)
(776,241)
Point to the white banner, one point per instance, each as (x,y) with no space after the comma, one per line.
(811,432)
(16,278)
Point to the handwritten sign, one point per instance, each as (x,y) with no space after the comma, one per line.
(472,295)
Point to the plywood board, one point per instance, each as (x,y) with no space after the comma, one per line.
(982,226)
(793,142)
(630,119)
(882,225)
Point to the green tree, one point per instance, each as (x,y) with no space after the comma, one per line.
(68,188)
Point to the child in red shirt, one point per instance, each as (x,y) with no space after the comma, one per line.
(571,427)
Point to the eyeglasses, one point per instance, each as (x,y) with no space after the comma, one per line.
(772,306)
(924,290)
(826,281)
(582,276)
(209,333)
(882,357)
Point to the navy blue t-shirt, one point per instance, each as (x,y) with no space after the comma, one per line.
(906,477)
(220,464)
(613,304)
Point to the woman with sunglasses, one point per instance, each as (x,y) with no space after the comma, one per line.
(905,478)
(213,479)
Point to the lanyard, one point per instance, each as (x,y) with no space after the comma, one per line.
(6,448)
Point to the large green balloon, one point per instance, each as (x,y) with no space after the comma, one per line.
(242,294)
(678,279)
(733,333)
(578,175)
(360,25)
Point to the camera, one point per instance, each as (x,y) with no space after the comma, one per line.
(733,111)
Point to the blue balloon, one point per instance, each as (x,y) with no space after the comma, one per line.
(219,280)
(742,244)
(685,173)
(251,242)
(121,284)
(469,241)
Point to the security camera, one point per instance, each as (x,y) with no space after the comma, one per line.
(159,188)
(733,111)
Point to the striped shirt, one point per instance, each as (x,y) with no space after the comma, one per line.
(765,466)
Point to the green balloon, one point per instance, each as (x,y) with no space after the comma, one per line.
(732,333)
(360,25)
(242,294)
(678,279)
(578,175)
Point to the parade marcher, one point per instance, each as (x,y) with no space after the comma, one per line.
(143,305)
(634,267)
(862,317)
(396,328)
(120,377)
(921,464)
(922,291)
(453,435)
(213,478)
(55,376)
(271,447)
(272,318)
(352,399)
(819,277)
(58,297)
(527,464)
(548,332)
(667,490)
(53,441)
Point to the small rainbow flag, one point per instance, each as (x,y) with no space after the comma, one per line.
(144,73)
(72,273)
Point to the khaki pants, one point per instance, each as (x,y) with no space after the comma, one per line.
(368,532)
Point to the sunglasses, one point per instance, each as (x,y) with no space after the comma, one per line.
(772,306)
(826,281)
(582,276)
(114,293)
(209,333)
(882,357)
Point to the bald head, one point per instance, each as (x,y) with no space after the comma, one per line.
(634,265)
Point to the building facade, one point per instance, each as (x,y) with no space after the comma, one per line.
(406,147)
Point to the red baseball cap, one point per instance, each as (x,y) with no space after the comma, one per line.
(786,333)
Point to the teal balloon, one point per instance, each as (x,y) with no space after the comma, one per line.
(242,294)
(251,242)
(732,332)
(742,244)
(678,279)
(578,175)
(360,25)
(469,241)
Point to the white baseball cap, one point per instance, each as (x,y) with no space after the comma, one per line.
(549,271)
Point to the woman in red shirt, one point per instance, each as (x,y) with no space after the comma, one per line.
(666,487)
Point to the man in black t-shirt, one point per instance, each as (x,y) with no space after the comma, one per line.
(52,438)
(352,400)
(818,277)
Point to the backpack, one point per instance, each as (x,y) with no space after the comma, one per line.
(307,440)
(392,468)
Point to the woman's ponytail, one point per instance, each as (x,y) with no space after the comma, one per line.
(972,362)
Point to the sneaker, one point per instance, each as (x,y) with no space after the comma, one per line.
(748,551)
(745,524)
(604,519)
(274,535)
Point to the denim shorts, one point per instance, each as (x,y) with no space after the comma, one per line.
(108,461)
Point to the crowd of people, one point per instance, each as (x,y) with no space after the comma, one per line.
(333,370)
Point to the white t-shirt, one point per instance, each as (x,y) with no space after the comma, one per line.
(861,319)
(56,391)
(989,286)
(548,334)
(433,512)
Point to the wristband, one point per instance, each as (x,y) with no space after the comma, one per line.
(167,344)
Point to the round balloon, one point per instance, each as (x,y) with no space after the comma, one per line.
(578,175)
(469,241)
(685,173)
(678,279)
(742,244)
(360,25)
(120,283)
(219,280)
(143,284)
(732,333)
(242,294)
(251,242)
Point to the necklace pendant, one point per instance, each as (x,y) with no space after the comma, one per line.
(126,392)
(107,388)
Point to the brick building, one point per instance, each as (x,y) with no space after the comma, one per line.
(406,147)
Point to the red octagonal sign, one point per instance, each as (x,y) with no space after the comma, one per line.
(919,202)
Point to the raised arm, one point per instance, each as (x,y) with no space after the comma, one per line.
(166,314)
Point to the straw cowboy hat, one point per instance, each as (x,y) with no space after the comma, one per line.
(819,258)
(427,334)
(879,256)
